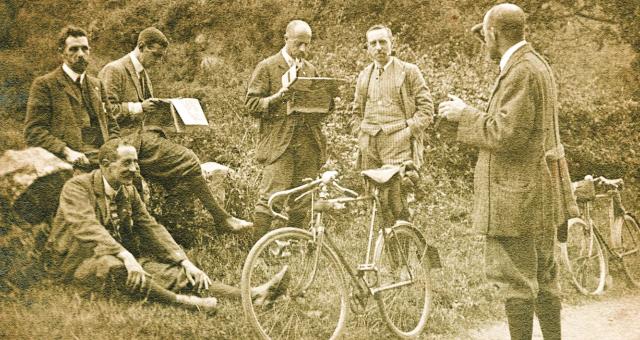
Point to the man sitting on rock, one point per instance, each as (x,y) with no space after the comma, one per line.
(103,238)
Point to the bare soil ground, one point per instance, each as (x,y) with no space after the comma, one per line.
(617,318)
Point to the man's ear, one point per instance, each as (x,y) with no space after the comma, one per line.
(105,162)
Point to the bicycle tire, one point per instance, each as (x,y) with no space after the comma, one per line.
(584,259)
(404,257)
(631,250)
(314,303)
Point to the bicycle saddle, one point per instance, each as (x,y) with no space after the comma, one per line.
(381,175)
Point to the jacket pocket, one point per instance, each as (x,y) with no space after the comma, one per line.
(513,210)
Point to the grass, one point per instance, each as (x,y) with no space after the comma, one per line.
(462,298)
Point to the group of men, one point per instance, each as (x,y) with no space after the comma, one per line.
(103,234)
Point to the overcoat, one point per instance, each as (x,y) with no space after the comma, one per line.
(516,190)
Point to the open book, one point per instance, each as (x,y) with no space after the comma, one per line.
(309,94)
(187,114)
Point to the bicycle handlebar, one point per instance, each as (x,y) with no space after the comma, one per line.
(602,181)
(326,178)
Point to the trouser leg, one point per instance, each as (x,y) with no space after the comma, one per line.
(520,317)
(153,291)
(219,289)
(306,167)
(262,223)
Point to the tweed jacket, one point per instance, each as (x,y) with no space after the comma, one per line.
(276,128)
(515,189)
(417,103)
(51,122)
(123,87)
(78,230)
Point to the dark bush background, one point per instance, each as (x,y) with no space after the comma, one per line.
(592,45)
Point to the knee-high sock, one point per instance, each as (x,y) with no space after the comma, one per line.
(548,311)
(197,186)
(520,317)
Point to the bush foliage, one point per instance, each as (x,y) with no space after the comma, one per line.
(215,45)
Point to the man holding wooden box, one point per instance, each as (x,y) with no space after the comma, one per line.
(291,145)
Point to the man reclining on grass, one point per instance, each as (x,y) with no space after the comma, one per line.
(104,239)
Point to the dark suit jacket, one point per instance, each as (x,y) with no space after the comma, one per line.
(78,230)
(121,81)
(275,126)
(51,121)
(513,183)
(417,103)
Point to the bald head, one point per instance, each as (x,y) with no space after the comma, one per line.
(297,27)
(508,20)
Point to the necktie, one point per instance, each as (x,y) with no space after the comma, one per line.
(115,217)
(120,212)
(144,86)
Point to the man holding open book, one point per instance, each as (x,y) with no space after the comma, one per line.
(291,145)
(174,166)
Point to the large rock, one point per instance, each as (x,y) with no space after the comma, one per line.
(31,181)
(216,175)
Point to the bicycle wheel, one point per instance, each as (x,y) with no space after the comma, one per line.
(403,263)
(584,259)
(630,251)
(313,304)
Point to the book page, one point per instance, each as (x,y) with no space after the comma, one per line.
(190,111)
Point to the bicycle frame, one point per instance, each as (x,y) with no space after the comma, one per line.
(318,190)
(616,213)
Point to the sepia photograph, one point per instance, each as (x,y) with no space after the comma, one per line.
(320,169)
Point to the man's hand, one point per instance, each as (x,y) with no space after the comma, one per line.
(136,276)
(283,95)
(149,105)
(75,157)
(198,279)
(452,109)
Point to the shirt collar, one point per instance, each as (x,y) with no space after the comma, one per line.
(290,61)
(137,65)
(385,66)
(71,73)
(109,191)
(507,54)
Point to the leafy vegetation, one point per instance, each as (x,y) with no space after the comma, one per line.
(592,45)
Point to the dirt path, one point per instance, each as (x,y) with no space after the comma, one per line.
(617,318)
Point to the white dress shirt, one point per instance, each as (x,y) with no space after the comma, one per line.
(508,53)
(72,74)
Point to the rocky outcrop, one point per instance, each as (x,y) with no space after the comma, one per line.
(31,181)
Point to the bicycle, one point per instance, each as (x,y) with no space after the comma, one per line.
(586,252)
(320,283)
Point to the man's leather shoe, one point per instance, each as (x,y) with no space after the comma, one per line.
(234,224)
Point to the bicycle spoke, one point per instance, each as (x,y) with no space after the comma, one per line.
(631,250)
(314,302)
(403,282)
